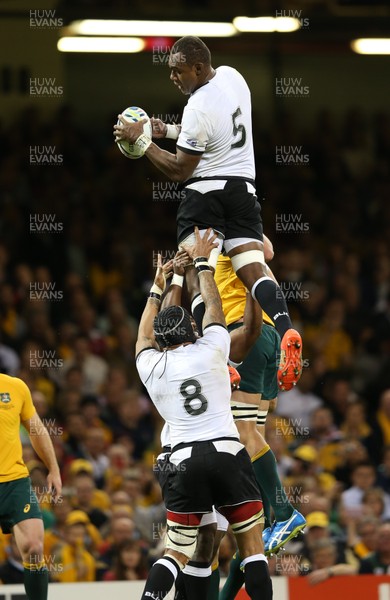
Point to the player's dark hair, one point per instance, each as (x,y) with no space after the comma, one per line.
(193,49)
(172,326)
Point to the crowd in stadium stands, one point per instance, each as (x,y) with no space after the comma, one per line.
(78,245)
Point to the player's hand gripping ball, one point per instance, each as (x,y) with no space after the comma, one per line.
(133,114)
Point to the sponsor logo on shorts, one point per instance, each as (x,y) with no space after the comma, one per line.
(27,508)
(5,397)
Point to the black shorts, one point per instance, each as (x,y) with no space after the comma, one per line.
(233,211)
(210,477)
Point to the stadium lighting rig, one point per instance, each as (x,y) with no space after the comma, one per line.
(371,46)
(105,35)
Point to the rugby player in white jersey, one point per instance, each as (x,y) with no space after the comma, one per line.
(214,160)
(188,381)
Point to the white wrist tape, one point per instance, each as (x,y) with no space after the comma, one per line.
(155,289)
(143,142)
(172,132)
(177,280)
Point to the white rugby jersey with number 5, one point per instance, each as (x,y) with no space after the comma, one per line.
(217,122)
(190,387)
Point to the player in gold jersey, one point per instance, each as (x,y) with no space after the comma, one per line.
(19,509)
(249,404)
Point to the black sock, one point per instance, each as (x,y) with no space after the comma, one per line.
(271,299)
(36,579)
(197,580)
(180,593)
(198,309)
(258,584)
(161,578)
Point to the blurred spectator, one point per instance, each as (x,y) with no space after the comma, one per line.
(378,563)
(129,563)
(362,479)
(12,569)
(93,449)
(323,555)
(73,563)
(121,530)
(300,402)
(95,503)
(93,367)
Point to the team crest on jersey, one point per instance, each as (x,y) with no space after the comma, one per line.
(192,142)
(5,397)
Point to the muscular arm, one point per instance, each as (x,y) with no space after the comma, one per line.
(212,299)
(243,338)
(146,337)
(178,167)
(172,297)
(42,444)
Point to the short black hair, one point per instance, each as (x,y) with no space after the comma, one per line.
(172,327)
(193,49)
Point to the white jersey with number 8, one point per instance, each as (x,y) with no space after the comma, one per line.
(190,387)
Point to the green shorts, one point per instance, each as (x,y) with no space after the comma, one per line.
(259,369)
(18,502)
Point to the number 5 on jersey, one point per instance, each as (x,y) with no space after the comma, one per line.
(238,130)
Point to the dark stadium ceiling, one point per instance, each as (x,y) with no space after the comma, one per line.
(329,27)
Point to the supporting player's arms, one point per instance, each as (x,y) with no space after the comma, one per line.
(243,338)
(146,337)
(177,264)
(42,444)
(208,288)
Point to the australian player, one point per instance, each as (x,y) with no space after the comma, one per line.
(214,160)
(188,381)
(19,509)
(258,387)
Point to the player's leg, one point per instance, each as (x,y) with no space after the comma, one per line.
(289,521)
(19,501)
(248,262)
(29,540)
(239,502)
(197,572)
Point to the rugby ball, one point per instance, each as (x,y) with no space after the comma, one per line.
(132,115)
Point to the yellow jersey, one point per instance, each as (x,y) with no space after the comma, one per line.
(232,292)
(16,405)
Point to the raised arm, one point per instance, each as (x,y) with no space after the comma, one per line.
(243,338)
(174,293)
(146,338)
(200,253)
